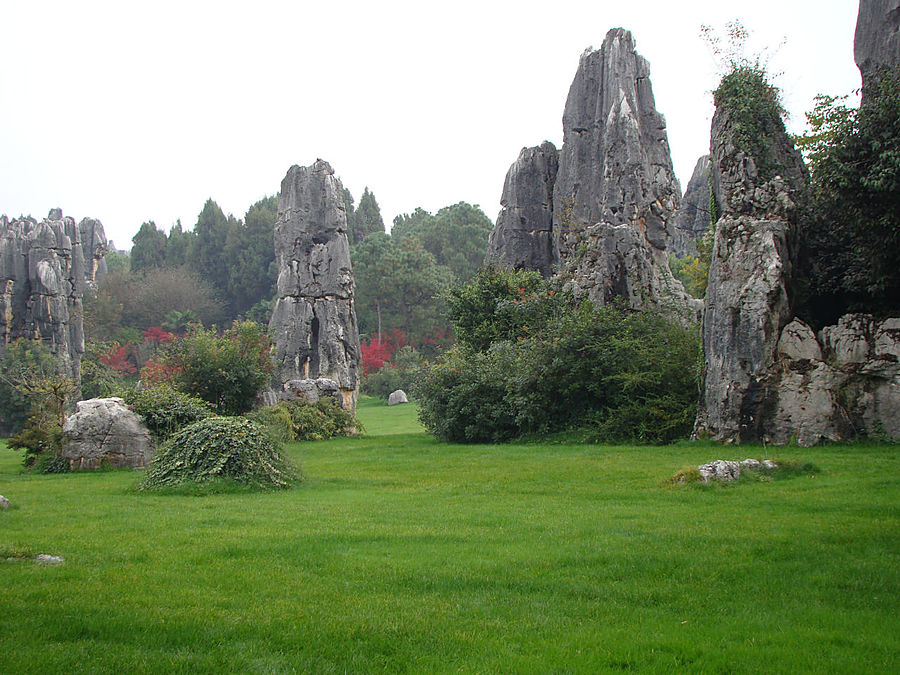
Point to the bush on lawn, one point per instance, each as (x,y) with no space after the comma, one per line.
(300,421)
(220,448)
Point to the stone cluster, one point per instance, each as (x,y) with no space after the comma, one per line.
(597,212)
(313,323)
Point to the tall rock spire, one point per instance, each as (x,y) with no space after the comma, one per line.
(313,323)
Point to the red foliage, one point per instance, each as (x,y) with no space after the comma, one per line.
(155,373)
(374,354)
(158,335)
(117,359)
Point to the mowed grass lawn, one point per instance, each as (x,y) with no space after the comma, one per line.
(401,554)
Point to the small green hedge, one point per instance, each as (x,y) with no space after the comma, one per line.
(220,448)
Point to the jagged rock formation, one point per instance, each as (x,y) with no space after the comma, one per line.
(747,303)
(313,323)
(103,431)
(614,192)
(523,234)
(691,220)
(93,249)
(876,43)
(616,189)
(42,278)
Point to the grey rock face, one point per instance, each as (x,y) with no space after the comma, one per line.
(523,234)
(843,383)
(614,193)
(104,430)
(397,397)
(876,43)
(691,220)
(747,303)
(42,277)
(313,323)
(93,249)
(311,391)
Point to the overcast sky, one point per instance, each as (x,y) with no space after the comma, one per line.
(129,112)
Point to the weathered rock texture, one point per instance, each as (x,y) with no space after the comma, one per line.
(523,234)
(613,195)
(42,277)
(104,431)
(837,385)
(93,249)
(313,323)
(397,397)
(876,43)
(747,303)
(691,220)
(728,471)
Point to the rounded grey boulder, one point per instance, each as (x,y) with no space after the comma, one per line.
(104,430)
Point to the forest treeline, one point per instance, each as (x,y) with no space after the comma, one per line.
(223,269)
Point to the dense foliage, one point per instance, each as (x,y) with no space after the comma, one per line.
(220,448)
(301,421)
(851,241)
(403,371)
(554,365)
(490,308)
(227,370)
(165,410)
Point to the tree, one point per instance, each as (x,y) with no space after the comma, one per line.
(24,361)
(486,309)
(178,246)
(148,248)
(151,299)
(250,250)
(457,236)
(207,252)
(851,241)
(367,218)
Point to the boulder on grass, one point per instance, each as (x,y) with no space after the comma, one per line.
(104,431)
(397,397)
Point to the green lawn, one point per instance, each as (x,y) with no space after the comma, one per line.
(400,554)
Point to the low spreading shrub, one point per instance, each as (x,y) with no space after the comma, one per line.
(165,410)
(300,421)
(231,449)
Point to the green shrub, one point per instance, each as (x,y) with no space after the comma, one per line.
(225,370)
(220,448)
(622,375)
(164,409)
(42,440)
(301,421)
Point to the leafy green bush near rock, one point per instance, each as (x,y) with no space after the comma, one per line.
(300,421)
(220,448)
(165,410)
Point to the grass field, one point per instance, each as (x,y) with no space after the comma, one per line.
(400,554)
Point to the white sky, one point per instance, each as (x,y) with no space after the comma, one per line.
(129,112)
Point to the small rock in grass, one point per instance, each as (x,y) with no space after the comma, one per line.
(4,502)
(728,471)
(396,397)
(45,559)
